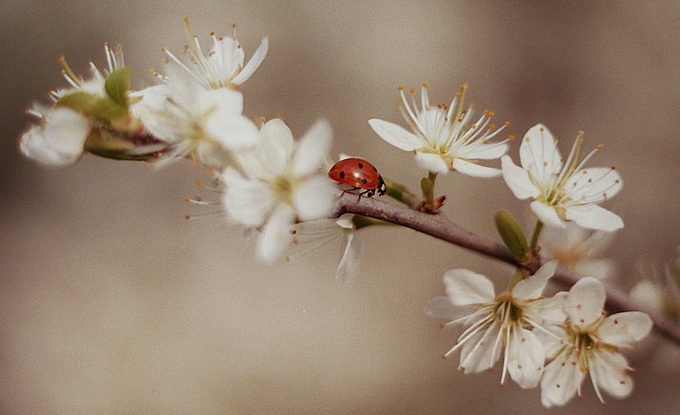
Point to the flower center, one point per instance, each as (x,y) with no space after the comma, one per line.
(283,189)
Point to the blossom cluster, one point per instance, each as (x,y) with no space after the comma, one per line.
(570,330)
(280,187)
(194,112)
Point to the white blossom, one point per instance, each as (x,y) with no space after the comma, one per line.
(59,139)
(223,65)
(444,137)
(579,249)
(498,323)
(278,183)
(203,125)
(589,343)
(562,190)
(60,135)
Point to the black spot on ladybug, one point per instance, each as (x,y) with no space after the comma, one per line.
(342,174)
(360,165)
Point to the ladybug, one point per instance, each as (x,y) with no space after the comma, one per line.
(359,174)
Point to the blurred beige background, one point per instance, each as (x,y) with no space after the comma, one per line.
(112,303)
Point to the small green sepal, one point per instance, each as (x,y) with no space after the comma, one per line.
(100,108)
(117,85)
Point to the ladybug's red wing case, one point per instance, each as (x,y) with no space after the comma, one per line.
(358,173)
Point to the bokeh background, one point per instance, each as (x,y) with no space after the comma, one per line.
(112,303)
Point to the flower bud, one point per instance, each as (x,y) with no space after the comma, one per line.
(512,235)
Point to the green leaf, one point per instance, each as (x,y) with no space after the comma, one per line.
(117,86)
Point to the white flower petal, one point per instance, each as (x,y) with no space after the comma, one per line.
(441,307)
(552,335)
(594,217)
(525,358)
(609,371)
(539,154)
(275,149)
(253,63)
(585,301)
(649,294)
(485,151)
(561,380)
(396,135)
(225,101)
(276,234)
(533,286)
(547,214)
(594,184)
(246,201)
(59,141)
(481,351)
(432,162)
(550,310)
(622,329)
(465,287)
(312,148)
(474,169)
(518,179)
(233,132)
(314,198)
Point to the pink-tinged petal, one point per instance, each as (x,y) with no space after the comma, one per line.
(312,148)
(585,301)
(465,287)
(276,234)
(594,217)
(609,372)
(547,214)
(533,286)
(396,135)
(539,154)
(525,358)
(432,162)
(481,351)
(246,201)
(622,329)
(561,380)
(314,198)
(474,169)
(518,179)
(593,185)
(253,63)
